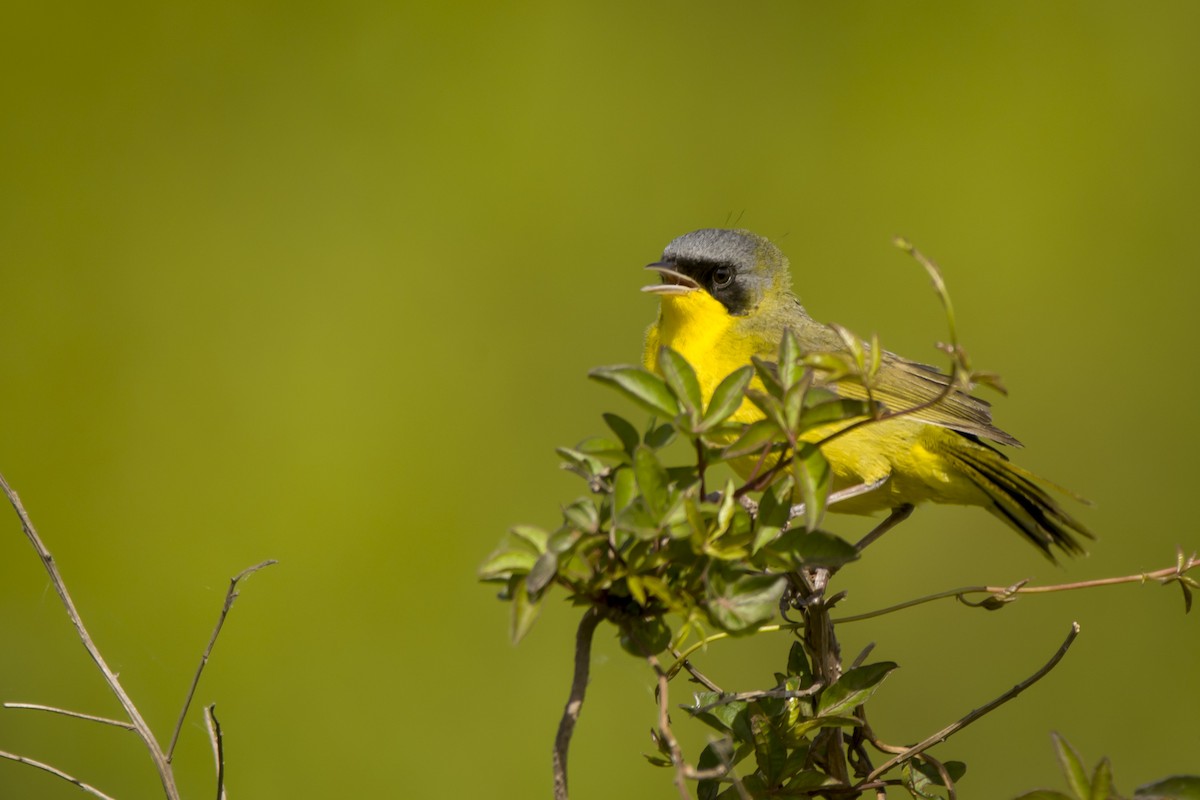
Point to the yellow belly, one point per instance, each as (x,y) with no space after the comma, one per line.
(907,452)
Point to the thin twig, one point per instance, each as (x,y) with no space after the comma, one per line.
(664,730)
(218,746)
(1004,592)
(780,694)
(987,708)
(92,790)
(696,674)
(570,715)
(161,764)
(716,637)
(230,596)
(1000,592)
(116,723)
(862,656)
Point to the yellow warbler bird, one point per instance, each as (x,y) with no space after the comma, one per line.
(725,295)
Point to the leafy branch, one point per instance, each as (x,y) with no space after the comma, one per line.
(674,566)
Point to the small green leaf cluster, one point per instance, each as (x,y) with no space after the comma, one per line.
(781,728)
(650,541)
(1099,785)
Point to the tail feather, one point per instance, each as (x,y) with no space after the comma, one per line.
(1019,501)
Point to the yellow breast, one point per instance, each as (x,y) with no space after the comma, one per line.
(905,450)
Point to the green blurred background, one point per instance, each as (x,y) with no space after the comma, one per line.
(321,282)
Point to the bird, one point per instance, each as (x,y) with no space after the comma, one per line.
(726,296)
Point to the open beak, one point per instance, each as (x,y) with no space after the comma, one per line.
(673,282)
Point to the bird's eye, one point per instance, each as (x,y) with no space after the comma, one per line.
(722,277)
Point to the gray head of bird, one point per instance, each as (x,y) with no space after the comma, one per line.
(737,268)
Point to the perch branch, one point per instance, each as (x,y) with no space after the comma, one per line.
(1005,592)
(570,715)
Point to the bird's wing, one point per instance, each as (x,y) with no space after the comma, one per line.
(902,384)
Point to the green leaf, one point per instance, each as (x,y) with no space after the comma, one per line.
(746,602)
(651,480)
(833,366)
(563,541)
(793,403)
(542,573)
(681,379)
(507,562)
(1177,787)
(583,514)
(768,376)
(716,754)
(524,611)
(769,406)
(789,359)
(814,478)
(1072,767)
(643,388)
(601,446)
(798,665)
(582,464)
(637,589)
(808,779)
(725,510)
(799,548)
(637,519)
(769,749)
(876,357)
(642,637)
(1102,780)
(835,721)
(854,346)
(853,689)
(1044,794)
(535,537)
(624,430)
(754,438)
(773,512)
(955,769)
(624,489)
(720,717)
(727,397)
(660,437)
(916,782)
(832,411)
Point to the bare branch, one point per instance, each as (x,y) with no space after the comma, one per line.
(1003,593)
(116,723)
(161,764)
(664,730)
(230,596)
(955,727)
(570,715)
(696,674)
(92,790)
(218,746)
